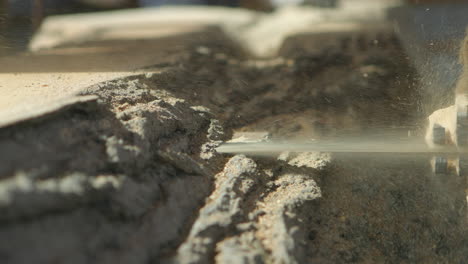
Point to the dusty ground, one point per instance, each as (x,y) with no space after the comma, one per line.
(129,174)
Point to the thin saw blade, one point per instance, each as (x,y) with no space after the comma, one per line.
(337,146)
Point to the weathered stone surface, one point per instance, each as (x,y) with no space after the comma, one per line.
(110,162)
(124,168)
(279,225)
(249,203)
(220,215)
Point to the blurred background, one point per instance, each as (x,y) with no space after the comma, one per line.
(20,18)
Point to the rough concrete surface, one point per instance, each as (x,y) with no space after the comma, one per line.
(124,169)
